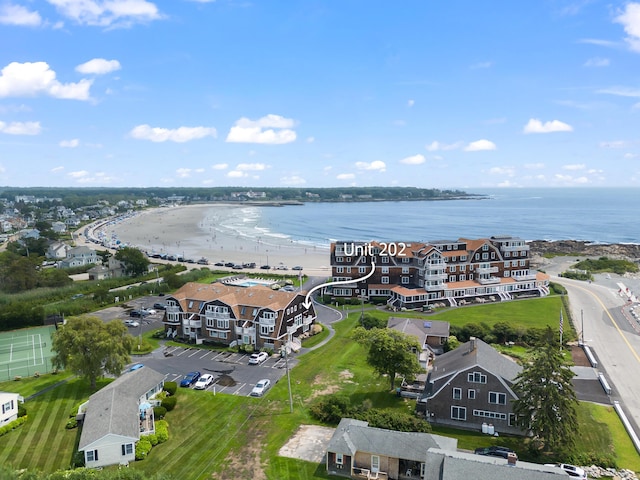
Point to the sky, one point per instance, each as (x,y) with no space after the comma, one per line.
(320,93)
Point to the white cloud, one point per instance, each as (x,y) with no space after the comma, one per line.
(183,172)
(480,145)
(78,174)
(614,144)
(411,103)
(413,160)
(311,139)
(536,126)
(31,79)
(18,15)
(597,62)
(179,135)
(293,180)
(508,171)
(107,13)
(534,166)
(345,176)
(236,174)
(69,143)
(574,167)
(629,156)
(270,129)
(621,91)
(20,128)
(376,165)
(436,146)
(98,66)
(244,167)
(630,20)
(220,166)
(56,169)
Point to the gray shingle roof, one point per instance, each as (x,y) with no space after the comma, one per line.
(482,355)
(419,327)
(114,409)
(453,465)
(353,436)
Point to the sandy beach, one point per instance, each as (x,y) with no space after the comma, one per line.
(218,232)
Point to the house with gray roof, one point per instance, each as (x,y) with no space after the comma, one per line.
(355,449)
(117,416)
(79,256)
(432,334)
(471,386)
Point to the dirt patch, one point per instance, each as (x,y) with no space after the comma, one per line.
(245,463)
(308,443)
(345,375)
(226,381)
(579,357)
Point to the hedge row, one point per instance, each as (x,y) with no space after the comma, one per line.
(13,425)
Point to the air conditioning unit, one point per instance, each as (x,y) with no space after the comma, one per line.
(340,466)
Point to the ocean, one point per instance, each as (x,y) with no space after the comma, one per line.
(597,215)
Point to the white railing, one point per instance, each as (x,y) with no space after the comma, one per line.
(481,270)
(488,281)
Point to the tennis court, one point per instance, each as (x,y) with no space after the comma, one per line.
(24,353)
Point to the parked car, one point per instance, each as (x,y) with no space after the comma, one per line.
(494,451)
(281,267)
(297,267)
(189,379)
(249,265)
(135,367)
(204,381)
(266,267)
(138,313)
(229,264)
(219,264)
(258,357)
(237,266)
(261,388)
(571,470)
(131,323)
(159,306)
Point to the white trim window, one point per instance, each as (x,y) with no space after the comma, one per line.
(91,456)
(498,398)
(127,449)
(458,413)
(471,394)
(476,377)
(457,393)
(339,459)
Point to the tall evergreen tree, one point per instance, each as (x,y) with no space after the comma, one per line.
(547,402)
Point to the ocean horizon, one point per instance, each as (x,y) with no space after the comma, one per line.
(595,215)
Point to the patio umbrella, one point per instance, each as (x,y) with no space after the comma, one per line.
(145,406)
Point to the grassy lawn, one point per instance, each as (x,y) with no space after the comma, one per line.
(30,385)
(43,442)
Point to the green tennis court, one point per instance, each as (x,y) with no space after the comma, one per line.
(24,353)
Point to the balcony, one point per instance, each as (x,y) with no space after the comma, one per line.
(514,248)
(193,323)
(359,472)
(435,287)
(214,315)
(245,331)
(435,276)
(525,277)
(486,270)
(488,281)
(308,320)
(270,321)
(171,321)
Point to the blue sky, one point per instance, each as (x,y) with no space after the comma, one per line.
(433,94)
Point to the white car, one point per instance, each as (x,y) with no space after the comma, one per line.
(131,323)
(204,381)
(261,388)
(258,358)
(571,470)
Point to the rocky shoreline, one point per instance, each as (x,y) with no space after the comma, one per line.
(580,248)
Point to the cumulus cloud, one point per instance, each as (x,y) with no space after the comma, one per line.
(534,166)
(69,143)
(345,176)
(480,145)
(376,165)
(98,66)
(508,171)
(576,166)
(107,13)
(244,167)
(220,166)
(630,20)
(20,128)
(236,174)
(293,180)
(614,144)
(536,126)
(31,79)
(270,129)
(57,169)
(437,146)
(179,135)
(414,160)
(597,62)
(18,15)
(78,174)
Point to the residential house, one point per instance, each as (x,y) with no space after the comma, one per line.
(235,315)
(431,334)
(9,407)
(57,250)
(447,272)
(79,256)
(117,416)
(98,272)
(359,451)
(58,227)
(471,386)
(116,268)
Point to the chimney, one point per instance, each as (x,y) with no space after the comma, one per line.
(472,344)
(512,458)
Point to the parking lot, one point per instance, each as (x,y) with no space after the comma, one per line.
(232,372)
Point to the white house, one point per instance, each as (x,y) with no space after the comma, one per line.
(57,250)
(9,407)
(79,256)
(117,416)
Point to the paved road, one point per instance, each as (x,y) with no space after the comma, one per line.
(612,334)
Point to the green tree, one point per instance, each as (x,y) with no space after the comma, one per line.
(135,263)
(546,402)
(390,352)
(17,273)
(90,347)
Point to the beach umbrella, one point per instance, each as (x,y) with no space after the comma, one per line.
(145,406)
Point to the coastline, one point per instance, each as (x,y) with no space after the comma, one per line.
(218,232)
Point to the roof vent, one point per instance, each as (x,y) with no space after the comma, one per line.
(472,344)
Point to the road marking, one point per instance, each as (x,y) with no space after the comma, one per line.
(214,358)
(237,392)
(615,324)
(195,352)
(183,351)
(205,354)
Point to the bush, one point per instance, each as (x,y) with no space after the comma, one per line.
(159,412)
(72,423)
(399,421)
(153,439)
(369,322)
(143,447)
(170,387)
(13,425)
(162,431)
(331,408)
(22,410)
(604,460)
(169,403)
